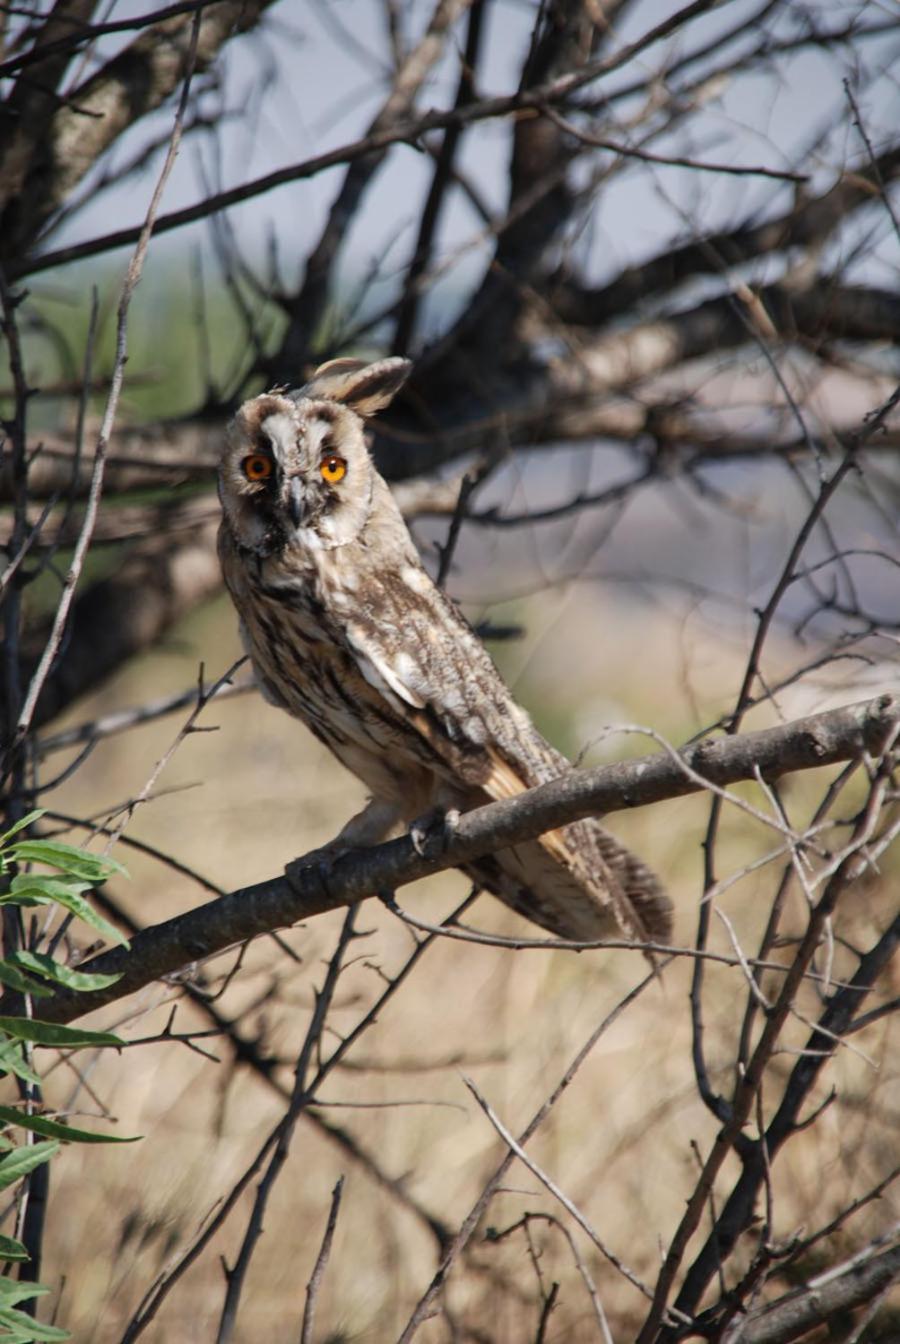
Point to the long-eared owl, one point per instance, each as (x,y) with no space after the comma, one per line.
(347,631)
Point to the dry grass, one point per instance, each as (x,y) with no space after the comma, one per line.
(622,1141)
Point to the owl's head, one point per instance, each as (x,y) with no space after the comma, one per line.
(295,469)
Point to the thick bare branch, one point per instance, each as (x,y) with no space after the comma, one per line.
(822,739)
(76,32)
(32,103)
(799,1312)
(808,224)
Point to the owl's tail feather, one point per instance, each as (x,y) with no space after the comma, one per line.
(647,904)
(589,888)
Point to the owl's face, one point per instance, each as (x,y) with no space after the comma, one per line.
(296,470)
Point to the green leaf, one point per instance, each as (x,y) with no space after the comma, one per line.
(67,895)
(56,1129)
(21,1329)
(68,859)
(51,1033)
(10,1249)
(22,1160)
(12,1291)
(40,964)
(20,825)
(10,975)
(12,1060)
(46,886)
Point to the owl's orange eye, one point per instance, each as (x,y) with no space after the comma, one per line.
(257,467)
(333,469)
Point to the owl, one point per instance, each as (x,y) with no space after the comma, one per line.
(347,631)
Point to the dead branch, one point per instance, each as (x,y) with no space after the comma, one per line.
(797,1313)
(34,179)
(305,311)
(555,90)
(807,225)
(823,739)
(126,613)
(312,1288)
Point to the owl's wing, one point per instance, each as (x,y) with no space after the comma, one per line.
(577,881)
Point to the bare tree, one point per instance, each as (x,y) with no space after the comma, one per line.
(645,259)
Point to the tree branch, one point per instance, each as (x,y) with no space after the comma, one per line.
(46,160)
(822,739)
(124,614)
(809,224)
(409,132)
(797,1313)
(306,309)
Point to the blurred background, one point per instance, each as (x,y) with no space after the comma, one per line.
(645,258)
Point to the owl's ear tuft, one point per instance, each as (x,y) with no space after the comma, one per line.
(365,388)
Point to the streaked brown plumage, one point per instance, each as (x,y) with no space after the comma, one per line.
(348,633)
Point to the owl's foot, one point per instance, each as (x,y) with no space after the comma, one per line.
(432,832)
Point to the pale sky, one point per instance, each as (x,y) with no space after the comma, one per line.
(322,70)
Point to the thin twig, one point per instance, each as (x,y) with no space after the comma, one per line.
(835,736)
(121,720)
(283,1133)
(457,1245)
(132,277)
(669,160)
(312,1288)
(495,1235)
(873,161)
(545,1180)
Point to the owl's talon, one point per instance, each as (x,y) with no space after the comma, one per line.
(431,833)
(315,865)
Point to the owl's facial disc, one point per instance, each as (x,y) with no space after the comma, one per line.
(322,488)
(301,484)
(296,474)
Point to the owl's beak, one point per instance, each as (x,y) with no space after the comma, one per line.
(295,500)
